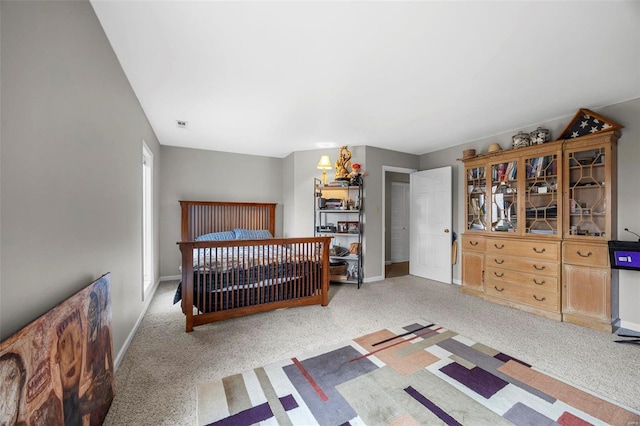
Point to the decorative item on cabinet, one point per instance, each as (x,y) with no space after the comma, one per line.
(468,153)
(587,122)
(540,135)
(521,139)
(494,147)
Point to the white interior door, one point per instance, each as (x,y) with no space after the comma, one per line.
(430,219)
(400,204)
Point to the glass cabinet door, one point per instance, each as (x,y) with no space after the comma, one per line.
(541,195)
(504,197)
(587,195)
(476,193)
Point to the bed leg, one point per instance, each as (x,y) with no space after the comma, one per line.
(325,272)
(187,283)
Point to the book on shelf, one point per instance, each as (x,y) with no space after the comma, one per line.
(510,172)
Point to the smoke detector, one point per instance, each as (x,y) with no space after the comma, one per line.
(181,124)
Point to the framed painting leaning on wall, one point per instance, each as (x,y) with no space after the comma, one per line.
(59,369)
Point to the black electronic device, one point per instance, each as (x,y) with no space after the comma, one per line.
(624,255)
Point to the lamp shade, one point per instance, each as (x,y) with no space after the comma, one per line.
(324,163)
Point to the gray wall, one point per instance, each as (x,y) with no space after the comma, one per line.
(71,173)
(374,204)
(304,171)
(301,169)
(206,175)
(194,174)
(625,113)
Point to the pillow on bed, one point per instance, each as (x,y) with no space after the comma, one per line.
(217,236)
(252,234)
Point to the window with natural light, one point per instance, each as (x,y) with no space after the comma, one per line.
(147,218)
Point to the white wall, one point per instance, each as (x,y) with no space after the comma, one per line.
(625,113)
(71,173)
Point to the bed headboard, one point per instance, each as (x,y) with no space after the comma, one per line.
(203,217)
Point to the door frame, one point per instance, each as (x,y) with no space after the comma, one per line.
(386,169)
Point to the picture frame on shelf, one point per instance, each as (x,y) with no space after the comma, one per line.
(342,227)
(353,227)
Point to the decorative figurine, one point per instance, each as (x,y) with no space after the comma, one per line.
(355,174)
(343,164)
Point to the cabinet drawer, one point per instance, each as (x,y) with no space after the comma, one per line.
(533,266)
(534,281)
(473,242)
(524,295)
(532,249)
(595,255)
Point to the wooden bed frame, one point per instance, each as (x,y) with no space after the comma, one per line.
(206,299)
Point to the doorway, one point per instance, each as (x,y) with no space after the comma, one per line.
(396,217)
(400,205)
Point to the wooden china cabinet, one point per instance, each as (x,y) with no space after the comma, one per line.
(537,223)
(588,283)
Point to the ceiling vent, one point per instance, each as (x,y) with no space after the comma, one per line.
(181,124)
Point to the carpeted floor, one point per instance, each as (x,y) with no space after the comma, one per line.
(156,381)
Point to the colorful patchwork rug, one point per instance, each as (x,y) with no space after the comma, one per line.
(419,374)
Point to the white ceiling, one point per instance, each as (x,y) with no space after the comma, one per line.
(270,78)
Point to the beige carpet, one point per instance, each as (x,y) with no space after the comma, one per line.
(156,382)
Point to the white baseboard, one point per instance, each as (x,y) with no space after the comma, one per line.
(457,281)
(373,279)
(630,326)
(148,298)
(171,278)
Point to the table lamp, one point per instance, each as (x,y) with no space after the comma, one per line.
(324,164)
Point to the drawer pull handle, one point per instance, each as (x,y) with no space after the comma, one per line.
(499,247)
(473,243)
(499,262)
(499,289)
(583,255)
(539,268)
(498,275)
(539,251)
(539,300)
(539,283)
